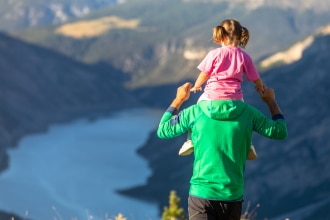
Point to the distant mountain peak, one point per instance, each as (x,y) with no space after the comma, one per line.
(294,52)
(17,15)
(60,15)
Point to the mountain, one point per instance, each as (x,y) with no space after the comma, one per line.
(153,46)
(39,87)
(293,53)
(17,15)
(162,42)
(290,178)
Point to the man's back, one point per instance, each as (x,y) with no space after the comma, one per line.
(221,135)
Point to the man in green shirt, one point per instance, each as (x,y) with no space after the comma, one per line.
(221,132)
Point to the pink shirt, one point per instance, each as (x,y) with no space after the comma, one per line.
(226,66)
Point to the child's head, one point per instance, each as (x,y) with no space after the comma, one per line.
(230,32)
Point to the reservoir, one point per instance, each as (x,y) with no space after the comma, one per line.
(71,171)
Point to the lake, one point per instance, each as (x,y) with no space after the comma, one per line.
(71,171)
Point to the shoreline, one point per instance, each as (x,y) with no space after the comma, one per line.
(44,126)
(90,117)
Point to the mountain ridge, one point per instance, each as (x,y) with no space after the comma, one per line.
(18,15)
(294,53)
(159,50)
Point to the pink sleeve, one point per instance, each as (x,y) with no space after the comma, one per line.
(207,64)
(250,70)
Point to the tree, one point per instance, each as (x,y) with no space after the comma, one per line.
(173,211)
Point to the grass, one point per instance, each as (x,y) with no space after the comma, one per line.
(172,212)
(250,215)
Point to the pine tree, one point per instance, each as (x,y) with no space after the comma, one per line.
(173,211)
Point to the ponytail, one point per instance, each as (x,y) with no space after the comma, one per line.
(219,32)
(244,37)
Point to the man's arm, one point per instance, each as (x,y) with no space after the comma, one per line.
(275,128)
(170,124)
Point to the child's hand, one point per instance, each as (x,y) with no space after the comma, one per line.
(259,86)
(195,89)
(261,90)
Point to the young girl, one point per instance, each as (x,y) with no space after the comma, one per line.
(222,69)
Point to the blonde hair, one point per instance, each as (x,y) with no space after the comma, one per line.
(230,31)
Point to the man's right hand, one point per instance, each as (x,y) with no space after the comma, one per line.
(183,92)
(182,95)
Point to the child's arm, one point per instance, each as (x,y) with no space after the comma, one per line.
(259,85)
(201,79)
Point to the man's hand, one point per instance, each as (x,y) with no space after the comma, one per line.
(268,96)
(182,95)
(183,92)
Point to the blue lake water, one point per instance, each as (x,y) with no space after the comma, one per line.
(71,171)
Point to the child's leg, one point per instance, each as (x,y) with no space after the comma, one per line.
(187,147)
(252,153)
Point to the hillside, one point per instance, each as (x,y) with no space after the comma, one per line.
(39,87)
(161,42)
(290,177)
